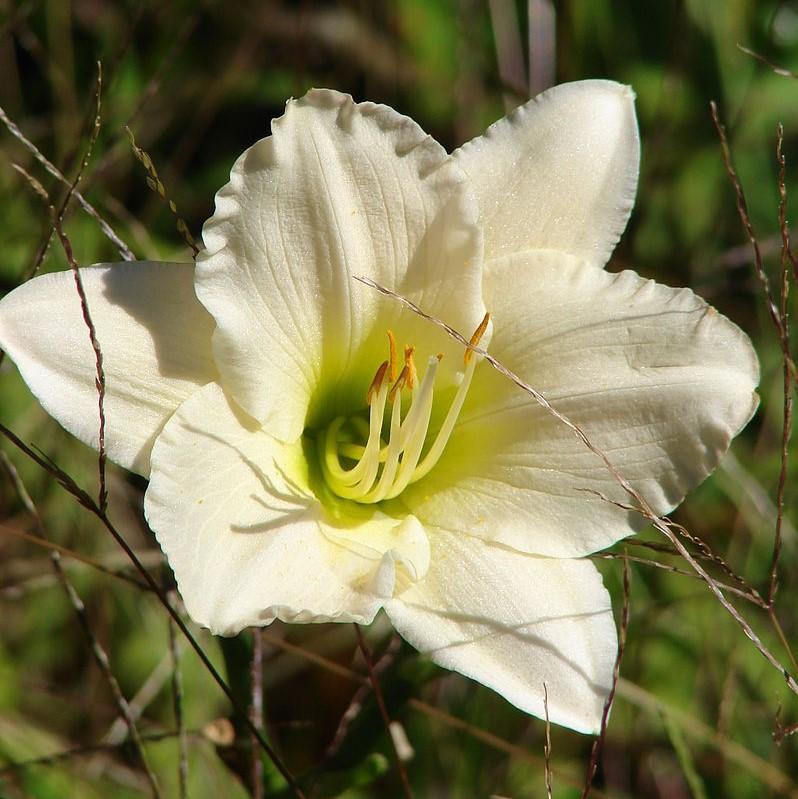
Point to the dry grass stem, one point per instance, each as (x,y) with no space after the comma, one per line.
(787,258)
(655,564)
(101,659)
(156,184)
(784,72)
(386,719)
(360,696)
(742,210)
(124,251)
(598,744)
(69,553)
(256,710)
(547,744)
(177,709)
(92,749)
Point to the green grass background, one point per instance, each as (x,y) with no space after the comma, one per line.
(198,82)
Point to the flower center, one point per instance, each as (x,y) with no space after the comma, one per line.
(356,460)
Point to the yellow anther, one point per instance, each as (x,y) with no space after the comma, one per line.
(410,366)
(376,383)
(392,361)
(476,337)
(401,380)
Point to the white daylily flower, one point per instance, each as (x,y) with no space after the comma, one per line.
(298,470)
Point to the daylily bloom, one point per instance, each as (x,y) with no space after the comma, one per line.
(318,452)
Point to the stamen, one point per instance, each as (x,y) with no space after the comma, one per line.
(412,375)
(442,439)
(414,430)
(397,386)
(476,337)
(376,383)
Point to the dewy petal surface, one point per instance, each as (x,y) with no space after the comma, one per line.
(514,622)
(155,339)
(559,172)
(338,190)
(657,379)
(247,539)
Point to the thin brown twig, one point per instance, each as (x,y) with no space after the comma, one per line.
(102,499)
(375,685)
(742,210)
(360,696)
(177,709)
(547,744)
(781,732)
(706,552)
(70,553)
(124,251)
(598,744)
(101,658)
(786,429)
(776,624)
(156,184)
(494,741)
(92,749)
(753,599)
(256,710)
(68,484)
(643,507)
(775,67)
(58,218)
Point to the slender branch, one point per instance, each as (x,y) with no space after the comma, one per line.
(742,210)
(68,754)
(102,499)
(754,600)
(101,658)
(359,697)
(375,685)
(547,744)
(786,429)
(598,744)
(783,71)
(256,709)
(177,709)
(69,553)
(124,251)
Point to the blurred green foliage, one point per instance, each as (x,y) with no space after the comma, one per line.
(197,82)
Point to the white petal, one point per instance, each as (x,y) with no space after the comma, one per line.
(656,378)
(514,622)
(559,172)
(339,190)
(247,539)
(155,339)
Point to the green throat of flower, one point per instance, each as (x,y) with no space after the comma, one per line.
(357,461)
